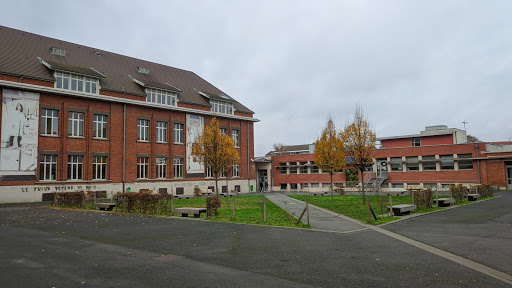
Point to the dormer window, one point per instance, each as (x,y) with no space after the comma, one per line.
(58,51)
(143,70)
(160,97)
(222,107)
(75,82)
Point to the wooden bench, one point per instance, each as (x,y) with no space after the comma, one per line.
(107,206)
(445,202)
(402,209)
(473,197)
(187,210)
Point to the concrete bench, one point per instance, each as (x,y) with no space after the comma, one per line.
(105,206)
(187,210)
(318,193)
(473,197)
(402,209)
(445,202)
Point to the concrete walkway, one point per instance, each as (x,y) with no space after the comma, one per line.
(319,219)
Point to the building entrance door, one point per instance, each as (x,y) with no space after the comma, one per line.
(509,177)
(382,165)
(262,178)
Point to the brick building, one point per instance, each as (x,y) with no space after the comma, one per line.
(435,158)
(79,118)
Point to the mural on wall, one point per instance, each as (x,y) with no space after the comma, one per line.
(194,127)
(20,126)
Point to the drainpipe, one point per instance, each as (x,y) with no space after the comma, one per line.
(124,142)
(248,161)
(478,164)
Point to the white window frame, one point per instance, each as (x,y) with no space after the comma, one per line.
(178,167)
(235,134)
(142,167)
(236,169)
(161,131)
(50,116)
(161,97)
(99,167)
(75,167)
(47,164)
(76,82)
(161,168)
(178,133)
(100,126)
(416,142)
(76,124)
(208,173)
(222,107)
(143,130)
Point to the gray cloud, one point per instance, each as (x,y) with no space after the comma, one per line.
(408,63)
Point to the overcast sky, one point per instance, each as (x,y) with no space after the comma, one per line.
(409,64)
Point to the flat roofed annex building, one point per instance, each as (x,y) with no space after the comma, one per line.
(434,158)
(76,118)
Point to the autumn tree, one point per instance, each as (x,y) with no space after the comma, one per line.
(329,151)
(359,139)
(215,151)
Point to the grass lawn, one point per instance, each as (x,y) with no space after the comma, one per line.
(249,209)
(352,206)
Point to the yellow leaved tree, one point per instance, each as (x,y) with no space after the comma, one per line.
(359,139)
(215,151)
(329,151)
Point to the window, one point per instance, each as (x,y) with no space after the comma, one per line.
(142,167)
(222,174)
(223,131)
(222,107)
(293,168)
(99,128)
(236,169)
(303,168)
(283,168)
(234,134)
(284,186)
(396,164)
(293,186)
(58,51)
(161,167)
(48,167)
(314,185)
(75,167)
(74,82)
(412,163)
(432,186)
(143,70)
(99,167)
(178,133)
(208,173)
(178,167)
(314,168)
(143,130)
(397,185)
(161,131)
(416,142)
(76,124)
(465,162)
(429,163)
(160,97)
(446,162)
(49,122)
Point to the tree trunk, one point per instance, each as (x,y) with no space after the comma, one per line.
(217,185)
(332,196)
(362,185)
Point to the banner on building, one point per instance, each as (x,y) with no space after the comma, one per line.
(194,128)
(20,129)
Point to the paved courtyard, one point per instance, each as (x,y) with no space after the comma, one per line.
(42,247)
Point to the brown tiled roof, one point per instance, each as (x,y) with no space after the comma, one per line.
(19,51)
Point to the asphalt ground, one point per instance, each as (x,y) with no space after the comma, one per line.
(481,232)
(43,247)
